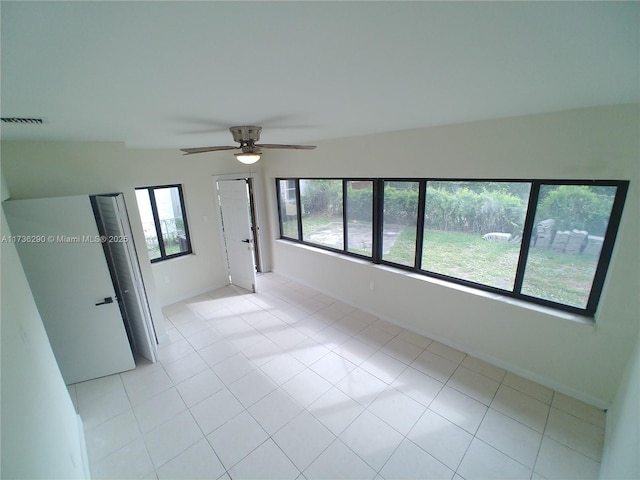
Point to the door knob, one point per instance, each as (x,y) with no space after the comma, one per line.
(246,240)
(106,300)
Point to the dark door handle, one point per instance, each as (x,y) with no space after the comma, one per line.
(246,240)
(106,300)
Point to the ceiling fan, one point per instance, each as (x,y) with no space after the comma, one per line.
(247,136)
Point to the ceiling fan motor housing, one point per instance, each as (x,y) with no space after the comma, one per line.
(246,134)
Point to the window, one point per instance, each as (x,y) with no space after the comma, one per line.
(543,241)
(569,232)
(322,221)
(288,207)
(335,214)
(400,219)
(359,215)
(473,230)
(164,221)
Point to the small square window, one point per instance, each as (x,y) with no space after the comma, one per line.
(164,221)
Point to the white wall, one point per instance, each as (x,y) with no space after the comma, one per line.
(579,359)
(41,433)
(46,169)
(620,458)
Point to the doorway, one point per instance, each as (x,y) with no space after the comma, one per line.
(254,226)
(240,233)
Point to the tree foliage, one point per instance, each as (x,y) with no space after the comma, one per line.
(475,212)
(579,207)
(472,207)
(400,205)
(321,197)
(360,204)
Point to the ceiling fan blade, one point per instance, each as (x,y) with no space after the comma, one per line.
(191,151)
(285,147)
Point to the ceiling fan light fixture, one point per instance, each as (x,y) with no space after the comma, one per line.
(247,158)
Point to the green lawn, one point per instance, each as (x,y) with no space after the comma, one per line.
(169,249)
(559,277)
(403,250)
(312,222)
(471,258)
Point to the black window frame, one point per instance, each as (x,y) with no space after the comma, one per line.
(419,222)
(156,221)
(604,258)
(345,216)
(279,193)
(622,187)
(299,238)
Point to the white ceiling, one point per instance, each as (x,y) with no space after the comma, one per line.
(177,74)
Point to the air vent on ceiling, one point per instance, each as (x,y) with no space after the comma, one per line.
(22,120)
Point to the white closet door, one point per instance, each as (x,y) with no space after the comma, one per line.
(60,250)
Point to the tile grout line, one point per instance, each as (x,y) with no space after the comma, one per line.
(544,429)
(378,348)
(475,435)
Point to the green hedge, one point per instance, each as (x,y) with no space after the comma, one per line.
(475,212)
(322,197)
(360,203)
(462,209)
(400,206)
(577,207)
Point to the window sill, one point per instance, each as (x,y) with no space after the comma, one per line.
(552,312)
(172,259)
(574,317)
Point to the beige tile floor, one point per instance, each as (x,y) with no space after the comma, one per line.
(290,383)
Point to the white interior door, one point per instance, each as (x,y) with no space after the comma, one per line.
(115,222)
(62,256)
(234,208)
